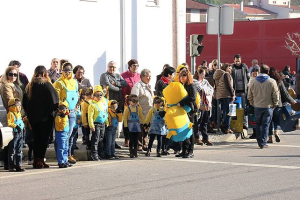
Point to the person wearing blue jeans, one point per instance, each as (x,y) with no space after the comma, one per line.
(74,135)
(263,95)
(263,119)
(225,110)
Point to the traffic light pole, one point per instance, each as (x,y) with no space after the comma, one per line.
(219,65)
(193,64)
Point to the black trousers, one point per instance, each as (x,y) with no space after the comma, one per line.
(201,125)
(41,132)
(159,141)
(97,144)
(133,139)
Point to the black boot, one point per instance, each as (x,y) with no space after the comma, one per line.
(131,152)
(135,152)
(158,153)
(148,153)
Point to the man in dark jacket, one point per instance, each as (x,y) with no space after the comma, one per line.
(115,83)
(241,76)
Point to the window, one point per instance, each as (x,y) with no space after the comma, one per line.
(284,3)
(152,3)
(274,2)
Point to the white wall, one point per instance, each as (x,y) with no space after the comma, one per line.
(87,33)
(195,15)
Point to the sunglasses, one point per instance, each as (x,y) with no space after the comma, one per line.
(98,95)
(134,101)
(13,74)
(182,75)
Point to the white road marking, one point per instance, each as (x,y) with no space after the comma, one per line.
(56,169)
(234,163)
(271,145)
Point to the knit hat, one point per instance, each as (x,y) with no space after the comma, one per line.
(63,103)
(98,88)
(12,102)
(112,102)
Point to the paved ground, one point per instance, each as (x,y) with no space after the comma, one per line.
(237,170)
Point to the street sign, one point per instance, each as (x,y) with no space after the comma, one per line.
(220,17)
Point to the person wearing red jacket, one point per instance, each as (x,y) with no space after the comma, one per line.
(131,76)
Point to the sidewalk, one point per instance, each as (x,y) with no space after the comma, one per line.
(85,155)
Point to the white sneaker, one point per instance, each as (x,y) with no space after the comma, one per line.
(30,162)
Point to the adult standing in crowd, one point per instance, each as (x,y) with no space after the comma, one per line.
(225,93)
(186,79)
(263,95)
(9,89)
(161,74)
(67,89)
(254,64)
(115,83)
(297,87)
(145,96)
(131,76)
(167,76)
(241,76)
(83,83)
(54,71)
(284,97)
(10,85)
(206,92)
(22,77)
(40,101)
(288,75)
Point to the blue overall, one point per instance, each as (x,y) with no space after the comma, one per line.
(97,144)
(101,118)
(16,144)
(110,136)
(157,126)
(62,143)
(134,121)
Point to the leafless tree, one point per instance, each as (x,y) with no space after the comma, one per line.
(292,43)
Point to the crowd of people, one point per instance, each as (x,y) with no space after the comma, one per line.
(59,101)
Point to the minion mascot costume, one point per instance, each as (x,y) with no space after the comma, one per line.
(177,119)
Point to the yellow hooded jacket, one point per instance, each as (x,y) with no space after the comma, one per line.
(14,115)
(62,123)
(63,84)
(84,111)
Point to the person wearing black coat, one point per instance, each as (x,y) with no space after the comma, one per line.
(165,79)
(40,101)
(186,79)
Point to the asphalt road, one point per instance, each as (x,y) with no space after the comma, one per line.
(238,170)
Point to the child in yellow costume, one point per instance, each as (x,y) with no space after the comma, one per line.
(97,117)
(14,120)
(155,118)
(114,117)
(84,117)
(61,135)
(133,118)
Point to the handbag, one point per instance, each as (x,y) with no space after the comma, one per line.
(203,102)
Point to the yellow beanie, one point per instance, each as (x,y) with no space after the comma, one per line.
(11,102)
(111,102)
(63,103)
(98,88)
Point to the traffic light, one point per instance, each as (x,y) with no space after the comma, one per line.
(196,45)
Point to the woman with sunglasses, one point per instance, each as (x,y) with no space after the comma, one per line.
(10,86)
(186,79)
